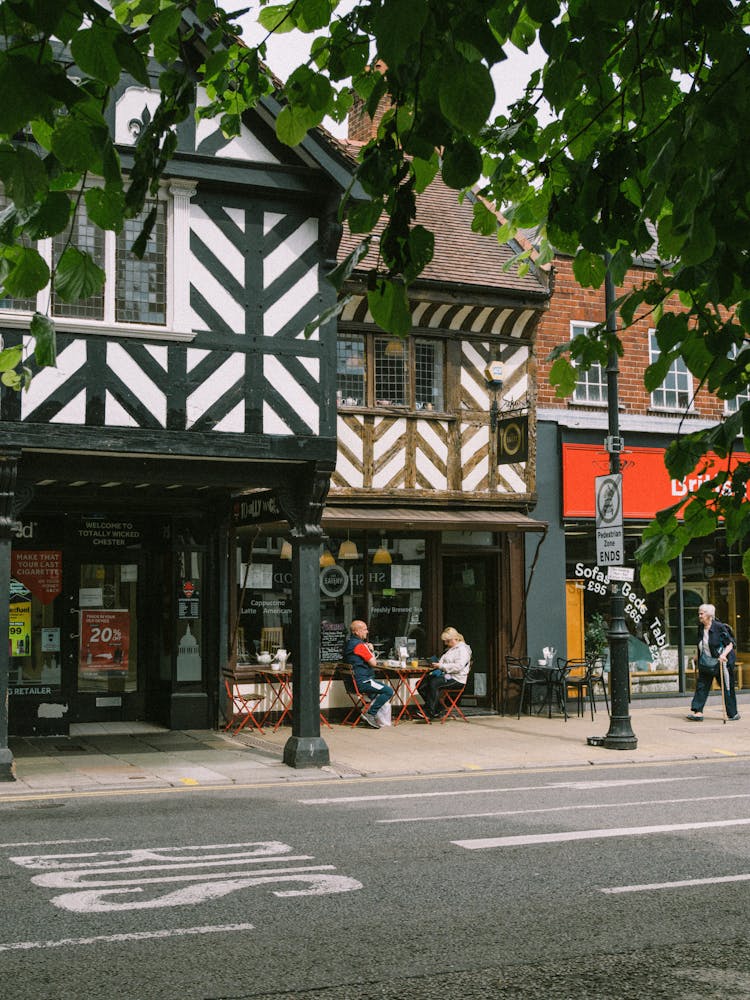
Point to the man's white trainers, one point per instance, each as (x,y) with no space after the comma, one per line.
(370,720)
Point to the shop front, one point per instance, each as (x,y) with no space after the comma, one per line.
(408,573)
(111,619)
(662,624)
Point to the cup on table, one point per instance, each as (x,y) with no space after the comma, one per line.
(415,663)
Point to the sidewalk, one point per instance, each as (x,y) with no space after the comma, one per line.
(97,758)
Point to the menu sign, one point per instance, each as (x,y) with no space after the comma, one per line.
(332,639)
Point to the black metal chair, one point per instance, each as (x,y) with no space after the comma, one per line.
(577,677)
(514,668)
(533,677)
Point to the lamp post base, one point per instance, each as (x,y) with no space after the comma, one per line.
(306,751)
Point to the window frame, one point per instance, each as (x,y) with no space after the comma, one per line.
(175,195)
(584,380)
(732,405)
(678,370)
(370,340)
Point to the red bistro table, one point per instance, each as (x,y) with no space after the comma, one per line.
(406,685)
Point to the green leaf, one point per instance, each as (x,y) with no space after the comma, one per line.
(130,58)
(654,577)
(397,27)
(313,14)
(29,274)
(106,209)
(421,250)
(78,145)
(10,357)
(45,348)
(342,271)
(589,269)
(52,216)
(462,164)
(327,315)
(165,25)
(746,562)
(293,124)
(425,172)
(24,97)
(277,19)
(23,175)
(77,276)
(389,306)
(563,375)
(93,49)
(467,94)
(364,215)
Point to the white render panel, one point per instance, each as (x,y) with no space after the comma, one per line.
(215,293)
(434,476)
(288,304)
(509,481)
(305,405)
(349,473)
(481,319)
(272,422)
(437,316)
(207,395)
(74,412)
(114,414)
(69,361)
(520,324)
(159,354)
(427,432)
(289,250)
(194,357)
(385,473)
(498,324)
(418,312)
(215,238)
(150,395)
(478,393)
(237,215)
(234,421)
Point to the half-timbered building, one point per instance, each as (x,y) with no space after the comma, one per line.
(426,519)
(189,381)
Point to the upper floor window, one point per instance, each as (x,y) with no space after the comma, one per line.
(591,383)
(137,292)
(676,391)
(377,370)
(733,404)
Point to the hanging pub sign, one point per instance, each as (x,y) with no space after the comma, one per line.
(105,640)
(513,440)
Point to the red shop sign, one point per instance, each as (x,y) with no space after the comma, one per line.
(646,484)
(105,641)
(39,570)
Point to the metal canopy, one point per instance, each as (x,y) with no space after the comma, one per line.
(429,519)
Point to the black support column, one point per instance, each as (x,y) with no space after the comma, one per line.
(8,471)
(303,506)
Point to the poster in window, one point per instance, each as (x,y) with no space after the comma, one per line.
(39,570)
(19,628)
(105,641)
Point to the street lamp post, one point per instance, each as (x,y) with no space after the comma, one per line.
(620,735)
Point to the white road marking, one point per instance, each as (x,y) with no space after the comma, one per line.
(570,808)
(55,843)
(526,840)
(135,936)
(580,785)
(683,884)
(135,879)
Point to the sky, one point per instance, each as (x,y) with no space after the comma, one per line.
(285,52)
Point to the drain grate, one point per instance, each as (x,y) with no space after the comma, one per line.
(70,748)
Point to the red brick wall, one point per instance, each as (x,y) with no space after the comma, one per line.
(571,303)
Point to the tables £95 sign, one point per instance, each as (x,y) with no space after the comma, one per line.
(610,539)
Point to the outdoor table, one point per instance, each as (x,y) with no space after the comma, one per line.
(327,676)
(280,685)
(407,679)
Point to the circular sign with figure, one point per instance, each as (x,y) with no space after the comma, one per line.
(334,581)
(188,588)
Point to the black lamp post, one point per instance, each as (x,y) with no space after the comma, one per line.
(620,735)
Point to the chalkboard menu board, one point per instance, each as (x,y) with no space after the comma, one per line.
(332,638)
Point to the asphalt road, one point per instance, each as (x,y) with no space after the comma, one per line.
(624,882)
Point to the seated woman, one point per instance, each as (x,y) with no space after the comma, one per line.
(452,671)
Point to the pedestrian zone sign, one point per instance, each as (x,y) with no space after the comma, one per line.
(610,539)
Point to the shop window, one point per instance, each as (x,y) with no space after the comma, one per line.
(591,383)
(676,391)
(405,373)
(34,627)
(108,628)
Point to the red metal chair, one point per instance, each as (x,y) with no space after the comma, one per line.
(241,707)
(449,699)
(360,701)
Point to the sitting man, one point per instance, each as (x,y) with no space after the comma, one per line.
(452,672)
(359,654)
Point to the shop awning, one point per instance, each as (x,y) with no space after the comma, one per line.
(428,519)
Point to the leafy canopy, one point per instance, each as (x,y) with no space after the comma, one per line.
(632,130)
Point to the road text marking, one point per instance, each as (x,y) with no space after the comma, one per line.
(134,936)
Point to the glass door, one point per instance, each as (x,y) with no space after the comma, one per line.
(469,603)
(105,644)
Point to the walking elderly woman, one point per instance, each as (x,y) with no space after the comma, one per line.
(715,641)
(452,671)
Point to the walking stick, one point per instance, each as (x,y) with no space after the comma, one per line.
(723,681)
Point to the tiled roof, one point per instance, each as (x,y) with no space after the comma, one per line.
(462,257)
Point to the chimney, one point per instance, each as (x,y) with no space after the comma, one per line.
(362,128)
